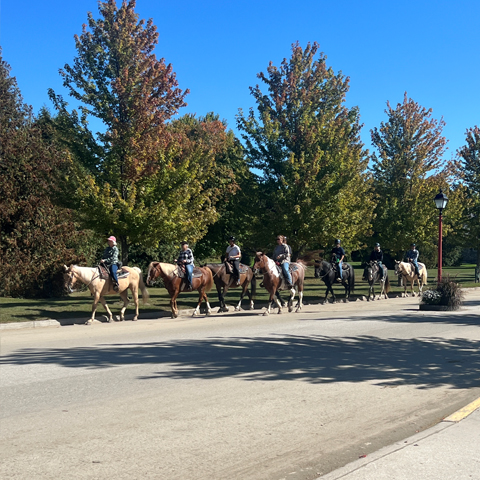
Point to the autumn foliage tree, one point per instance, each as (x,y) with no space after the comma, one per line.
(143,177)
(408,171)
(305,145)
(36,236)
(470,167)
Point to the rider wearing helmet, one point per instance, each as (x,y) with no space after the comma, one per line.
(338,254)
(377,256)
(281,256)
(110,260)
(412,257)
(233,256)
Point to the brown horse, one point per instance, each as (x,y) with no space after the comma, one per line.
(202,281)
(274,281)
(100,287)
(407,271)
(224,280)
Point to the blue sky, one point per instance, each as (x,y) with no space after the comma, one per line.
(430,49)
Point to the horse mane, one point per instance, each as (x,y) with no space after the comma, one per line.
(302,264)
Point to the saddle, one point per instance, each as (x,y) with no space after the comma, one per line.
(229,268)
(180,272)
(291,268)
(104,273)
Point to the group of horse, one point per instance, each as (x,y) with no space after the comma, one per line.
(205,276)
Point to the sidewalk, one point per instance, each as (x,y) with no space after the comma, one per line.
(447,451)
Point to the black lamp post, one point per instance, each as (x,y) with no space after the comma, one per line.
(441,201)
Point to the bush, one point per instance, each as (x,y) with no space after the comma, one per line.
(448,293)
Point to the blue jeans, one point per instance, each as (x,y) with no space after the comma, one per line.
(415,263)
(113,271)
(340,268)
(286,271)
(189,272)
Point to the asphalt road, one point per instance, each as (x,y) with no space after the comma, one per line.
(236,396)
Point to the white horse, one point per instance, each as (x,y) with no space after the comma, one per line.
(99,287)
(407,271)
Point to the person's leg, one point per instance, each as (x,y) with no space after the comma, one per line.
(113,272)
(236,270)
(380,266)
(286,272)
(340,268)
(189,271)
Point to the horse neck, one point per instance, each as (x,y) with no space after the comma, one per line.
(84,274)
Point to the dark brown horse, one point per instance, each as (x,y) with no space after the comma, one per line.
(225,280)
(202,281)
(273,281)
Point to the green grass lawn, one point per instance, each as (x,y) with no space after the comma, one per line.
(78,305)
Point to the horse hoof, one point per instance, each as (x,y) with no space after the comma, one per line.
(237,309)
(209,312)
(135,319)
(290,309)
(110,320)
(265,314)
(251,307)
(88,322)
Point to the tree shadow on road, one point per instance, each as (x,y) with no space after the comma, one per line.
(424,362)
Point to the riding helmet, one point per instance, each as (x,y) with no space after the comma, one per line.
(232,239)
(184,243)
(412,245)
(337,241)
(377,244)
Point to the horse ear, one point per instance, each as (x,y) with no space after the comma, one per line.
(66,268)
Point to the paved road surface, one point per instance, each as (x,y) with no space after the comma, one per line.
(290,396)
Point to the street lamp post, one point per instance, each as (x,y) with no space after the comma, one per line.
(441,201)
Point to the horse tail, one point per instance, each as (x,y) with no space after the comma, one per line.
(253,285)
(387,285)
(209,279)
(143,288)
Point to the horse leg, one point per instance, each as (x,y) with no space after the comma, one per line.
(244,292)
(290,300)
(270,302)
(200,298)
(221,298)
(209,309)
(94,307)
(173,304)
(124,297)
(279,303)
(134,290)
(300,299)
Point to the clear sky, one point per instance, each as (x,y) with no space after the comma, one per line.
(430,49)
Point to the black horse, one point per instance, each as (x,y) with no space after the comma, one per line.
(372,275)
(328,273)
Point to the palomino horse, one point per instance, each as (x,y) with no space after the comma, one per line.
(327,272)
(372,275)
(202,281)
(99,287)
(273,281)
(407,271)
(224,280)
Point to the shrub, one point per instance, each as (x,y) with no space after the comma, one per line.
(448,293)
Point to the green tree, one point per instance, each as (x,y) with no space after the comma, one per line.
(144,178)
(305,145)
(36,236)
(408,171)
(470,168)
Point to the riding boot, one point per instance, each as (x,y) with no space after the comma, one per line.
(115,286)
(237,283)
(188,288)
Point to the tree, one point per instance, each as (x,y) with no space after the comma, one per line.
(142,178)
(305,145)
(408,172)
(470,167)
(36,236)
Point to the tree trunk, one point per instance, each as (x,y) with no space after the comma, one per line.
(124,245)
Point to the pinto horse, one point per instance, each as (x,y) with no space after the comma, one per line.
(224,280)
(100,287)
(202,281)
(274,281)
(407,271)
(328,273)
(372,275)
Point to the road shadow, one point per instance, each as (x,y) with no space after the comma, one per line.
(422,362)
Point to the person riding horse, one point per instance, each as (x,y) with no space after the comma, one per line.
(185,259)
(412,257)
(281,256)
(233,257)
(110,260)
(338,254)
(377,256)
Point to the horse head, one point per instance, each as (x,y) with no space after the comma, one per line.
(369,271)
(154,270)
(398,268)
(260,262)
(321,268)
(70,278)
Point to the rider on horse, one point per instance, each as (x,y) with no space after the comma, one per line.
(233,257)
(185,258)
(412,257)
(281,256)
(110,260)
(338,254)
(377,256)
